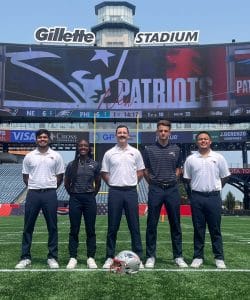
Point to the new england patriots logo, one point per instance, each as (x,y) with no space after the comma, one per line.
(88,83)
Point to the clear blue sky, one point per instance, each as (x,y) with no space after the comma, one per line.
(219,21)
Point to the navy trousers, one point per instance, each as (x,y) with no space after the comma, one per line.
(82,205)
(47,202)
(127,199)
(207,210)
(170,197)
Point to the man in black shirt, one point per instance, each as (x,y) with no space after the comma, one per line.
(162,162)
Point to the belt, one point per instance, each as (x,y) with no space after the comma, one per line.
(123,188)
(165,185)
(42,190)
(207,194)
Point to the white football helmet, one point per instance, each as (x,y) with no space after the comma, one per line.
(126,262)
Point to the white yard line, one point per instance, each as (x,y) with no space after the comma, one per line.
(4,242)
(188,270)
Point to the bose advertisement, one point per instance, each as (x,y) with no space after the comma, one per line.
(175,82)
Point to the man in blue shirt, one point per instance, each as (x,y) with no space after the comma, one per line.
(162,169)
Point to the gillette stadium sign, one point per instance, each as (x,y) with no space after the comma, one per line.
(62,35)
(168,37)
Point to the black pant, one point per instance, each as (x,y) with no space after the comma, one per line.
(82,204)
(207,210)
(35,201)
(170,197)
(119,199)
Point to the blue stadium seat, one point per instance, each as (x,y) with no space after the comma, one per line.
(11,186)
(11,182)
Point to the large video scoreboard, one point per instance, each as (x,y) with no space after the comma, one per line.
(180,83)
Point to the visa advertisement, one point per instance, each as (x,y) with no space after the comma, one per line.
(29,136)
(185,82)
(107,137)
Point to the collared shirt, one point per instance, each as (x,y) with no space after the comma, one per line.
(162,161)
(206,172)
(122,165)
(87,172)
(42,168)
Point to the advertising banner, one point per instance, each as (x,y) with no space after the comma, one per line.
(64,137)
(28,136)
(4,136)
(229,136)
(68,137)
(23,136)
(48,81)
(176,137)
(110,138)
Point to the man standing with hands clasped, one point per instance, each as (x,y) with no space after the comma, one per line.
(207,172)
(122,168)
(162,169)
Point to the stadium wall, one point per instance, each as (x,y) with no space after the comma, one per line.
(102,209)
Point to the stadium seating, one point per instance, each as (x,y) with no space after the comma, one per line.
(11,182)
(62,195)
(11,186)
(102,196)
(143,191)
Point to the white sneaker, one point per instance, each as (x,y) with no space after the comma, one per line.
(150,263)
(196,263)
(91,263)
(72,263)
(220,264)
(180,262)
(24,263)
(141,266)
(108,263)
(52,263)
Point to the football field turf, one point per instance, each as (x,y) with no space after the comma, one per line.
(166,281)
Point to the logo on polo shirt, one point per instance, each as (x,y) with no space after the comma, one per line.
(172,153)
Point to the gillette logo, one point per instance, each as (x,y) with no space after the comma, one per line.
(62,35)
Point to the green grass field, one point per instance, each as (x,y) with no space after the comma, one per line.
(166,281)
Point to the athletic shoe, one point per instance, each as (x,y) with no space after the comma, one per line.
(150,263)
(52,263)
(91,263)
(141,266)
(196,263)
(220,264)
(24,263)
(108,263)
(72,263)
(180,262)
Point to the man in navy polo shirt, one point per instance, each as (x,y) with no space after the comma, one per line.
(162,169)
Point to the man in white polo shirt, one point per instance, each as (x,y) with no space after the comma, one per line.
(207,171)
(122,168)
(43,170)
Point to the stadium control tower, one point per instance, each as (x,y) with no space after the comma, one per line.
(115,26)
